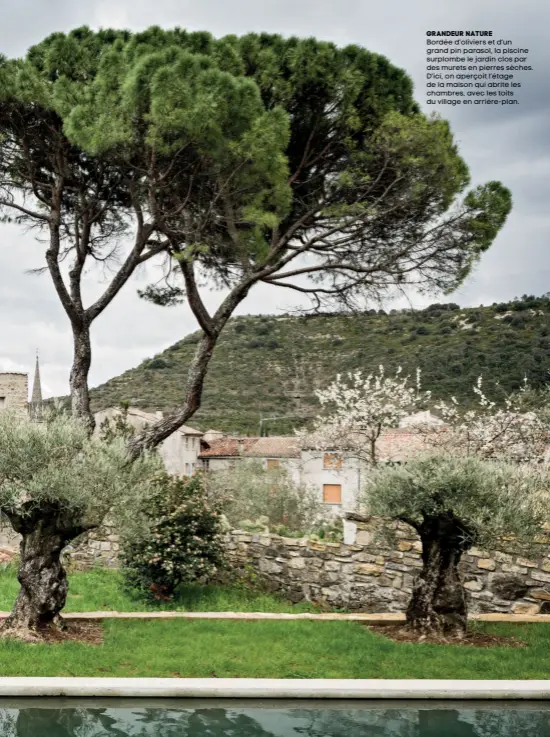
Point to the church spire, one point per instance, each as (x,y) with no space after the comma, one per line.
(36,399)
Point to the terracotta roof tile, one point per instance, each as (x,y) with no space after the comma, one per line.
(399,445)
(272,447)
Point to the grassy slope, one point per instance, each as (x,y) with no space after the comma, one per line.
(273,364)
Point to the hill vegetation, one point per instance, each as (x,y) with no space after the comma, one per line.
(273,364)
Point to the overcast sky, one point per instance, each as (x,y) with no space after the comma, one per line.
(509,143)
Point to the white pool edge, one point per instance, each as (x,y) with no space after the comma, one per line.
(272,688)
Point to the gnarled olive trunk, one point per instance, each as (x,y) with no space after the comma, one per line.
(439,604)
(43,593)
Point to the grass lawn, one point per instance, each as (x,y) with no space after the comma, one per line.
(295,649)
(292,649)
(101,590)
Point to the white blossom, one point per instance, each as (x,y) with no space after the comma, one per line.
(355,413)
(508,431)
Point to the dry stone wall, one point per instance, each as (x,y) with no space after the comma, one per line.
(366,576)
(369,577)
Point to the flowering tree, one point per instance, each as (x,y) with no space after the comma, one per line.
(355,414)
(455,502)
(516,429)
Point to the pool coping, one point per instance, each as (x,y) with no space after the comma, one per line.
(272,688)
(378,619)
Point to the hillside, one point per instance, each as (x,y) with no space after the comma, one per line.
(273,364)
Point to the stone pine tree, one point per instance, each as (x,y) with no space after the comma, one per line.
(455,502)
(240,161)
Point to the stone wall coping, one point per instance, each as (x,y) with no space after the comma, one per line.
(381,619)
(265,688)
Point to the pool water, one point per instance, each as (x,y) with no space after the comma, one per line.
(210,718)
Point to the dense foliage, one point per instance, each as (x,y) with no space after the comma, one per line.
(274,364)
(53,468)
(489,498)
(174,537)
(248,492)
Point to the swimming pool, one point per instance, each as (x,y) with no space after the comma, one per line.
(55,717)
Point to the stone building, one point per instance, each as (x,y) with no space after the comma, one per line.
(179,451)
(14,392)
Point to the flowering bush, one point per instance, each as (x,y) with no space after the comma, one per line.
(175,537)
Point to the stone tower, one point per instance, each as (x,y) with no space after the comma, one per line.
(14,392)
(36,399)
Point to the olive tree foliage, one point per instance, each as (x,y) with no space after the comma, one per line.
(55,484)
(288,162)
(455,502)
(247,492)
(358,409)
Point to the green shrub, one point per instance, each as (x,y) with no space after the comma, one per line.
(176,537)
(255,496)
(157,363)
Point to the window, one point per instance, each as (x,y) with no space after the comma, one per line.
(332,493)
(187,469)
(332,460)
(2,402)
(273,463)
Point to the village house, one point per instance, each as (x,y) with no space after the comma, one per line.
(179,451)
(337,479)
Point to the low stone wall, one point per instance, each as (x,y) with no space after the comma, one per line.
(365,576)
(368,577)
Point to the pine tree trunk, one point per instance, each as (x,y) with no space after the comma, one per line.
(82,360)
(43,579)
(439,604)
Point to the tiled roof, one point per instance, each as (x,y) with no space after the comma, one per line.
(399,444)
(395,445)
(270,447)
(281,446)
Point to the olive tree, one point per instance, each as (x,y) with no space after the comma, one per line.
(55,484)
(455,502)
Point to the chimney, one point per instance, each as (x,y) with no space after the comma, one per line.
(159,415)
